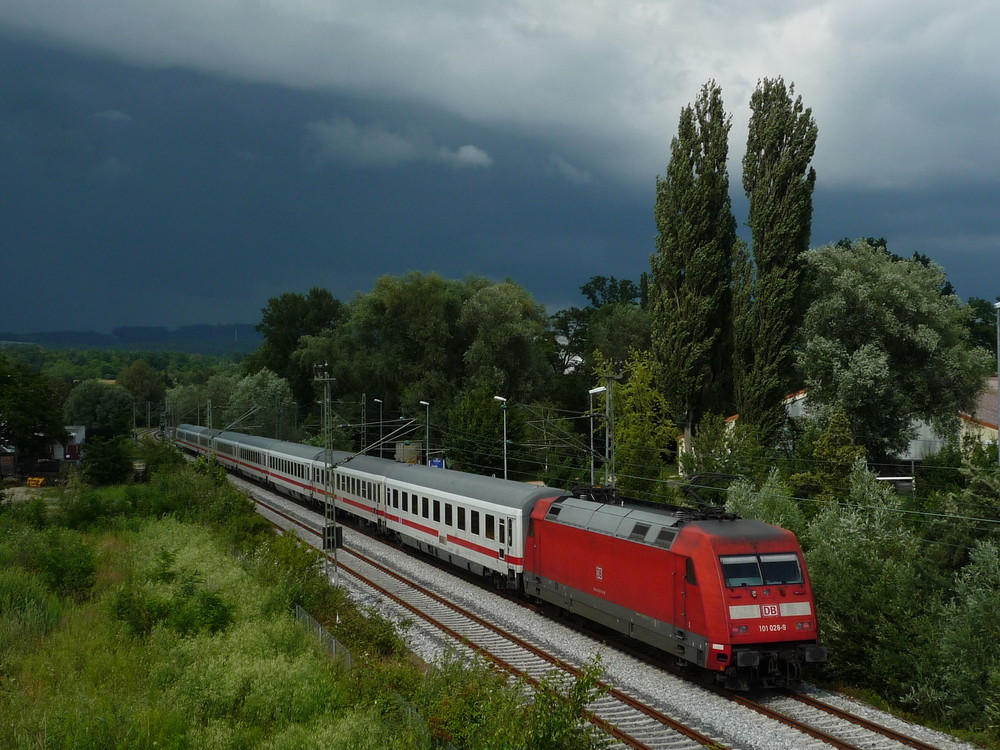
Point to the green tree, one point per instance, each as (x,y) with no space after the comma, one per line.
(881,343)
(645,437)
(692,267)
(863,563)
(261,404)
(505,328)
(616,320)
(604,290)
(104,409)
(982,324)
(724,447)
(616,329)
(771,503)
(768,301)
(144,383)
(834,455)
(30,417)
(474,440)
(107,461)
(968,652)
(286,319)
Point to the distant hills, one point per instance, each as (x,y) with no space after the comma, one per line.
(218,340)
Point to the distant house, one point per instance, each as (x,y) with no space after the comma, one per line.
(72,448)
(980,425)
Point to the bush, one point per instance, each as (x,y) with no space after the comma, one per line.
(63,559)
(178,600)
(108,461)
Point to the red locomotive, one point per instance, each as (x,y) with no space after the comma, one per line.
(726,594)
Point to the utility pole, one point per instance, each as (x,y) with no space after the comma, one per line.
(591,393)
(609,418)
(427,433)
(331,533)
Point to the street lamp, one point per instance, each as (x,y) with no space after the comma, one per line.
(379,402)
(996,306)
(503,408)
(427,434)
(591,393)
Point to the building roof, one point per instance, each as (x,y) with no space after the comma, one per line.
(986,409)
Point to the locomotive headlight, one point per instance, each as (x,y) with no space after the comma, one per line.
(739,629)
(804,625)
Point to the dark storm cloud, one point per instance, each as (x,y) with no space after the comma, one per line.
(198,158)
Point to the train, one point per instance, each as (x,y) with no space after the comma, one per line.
(729,596)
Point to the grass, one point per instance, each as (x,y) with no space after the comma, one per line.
(159,616)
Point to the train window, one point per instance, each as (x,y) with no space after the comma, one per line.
(781,569)
(461,518)
(437,511)
(502,539)
(639,532)
(395,498)
(425,507)
(406,502)
(741,570)
(447,514)
(490,532)
(474,522)
(665,538)
(689,571)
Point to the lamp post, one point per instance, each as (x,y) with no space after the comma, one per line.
(503,408)
(996,306)
(379,402)
(427,434)
(591,393)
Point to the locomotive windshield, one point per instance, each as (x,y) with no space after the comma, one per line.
(761,570)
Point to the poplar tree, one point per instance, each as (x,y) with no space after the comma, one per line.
(769,303)
(692,266)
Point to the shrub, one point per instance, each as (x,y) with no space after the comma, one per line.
(178,600)
(108,461)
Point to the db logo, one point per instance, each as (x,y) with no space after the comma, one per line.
(769,610)
(600,573)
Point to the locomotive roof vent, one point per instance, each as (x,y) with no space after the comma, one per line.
(646,525)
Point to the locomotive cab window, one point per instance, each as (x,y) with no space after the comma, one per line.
(761,570)
(781,569)
(741,570)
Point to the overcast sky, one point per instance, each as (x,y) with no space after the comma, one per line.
(182,161)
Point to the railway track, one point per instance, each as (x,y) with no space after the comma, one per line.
(630,719)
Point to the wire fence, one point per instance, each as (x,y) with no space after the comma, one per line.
(333,647)
(338,651)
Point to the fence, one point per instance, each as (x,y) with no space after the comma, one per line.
(333,647)
(337,650)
